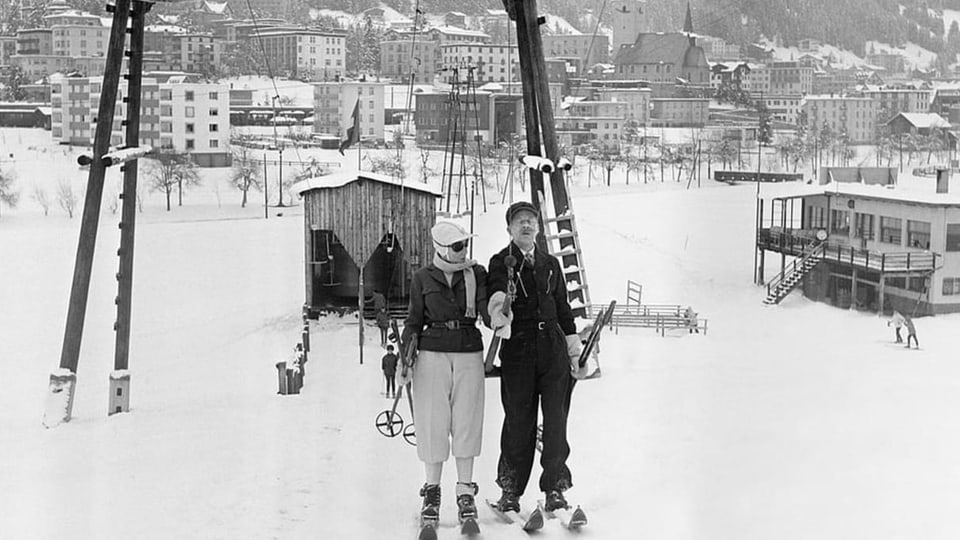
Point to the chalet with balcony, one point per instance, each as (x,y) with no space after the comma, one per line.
(862,239)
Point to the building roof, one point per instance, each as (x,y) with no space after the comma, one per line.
(342,178)
(215,7)
(454,31)
(911,190)
(654,48)
(923,120)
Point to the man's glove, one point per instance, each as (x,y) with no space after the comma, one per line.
(499,321)
(573,351)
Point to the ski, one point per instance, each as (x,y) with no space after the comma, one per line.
(571,520)
(531,523)
(469,527)
(428,530)
(593,338)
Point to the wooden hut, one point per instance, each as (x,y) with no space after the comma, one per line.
(363,220)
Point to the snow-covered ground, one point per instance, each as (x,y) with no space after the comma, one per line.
(788,422)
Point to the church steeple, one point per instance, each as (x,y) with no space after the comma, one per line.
(688,21)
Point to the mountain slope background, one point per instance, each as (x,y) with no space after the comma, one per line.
(848,24)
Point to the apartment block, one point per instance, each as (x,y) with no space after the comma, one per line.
(172,48)
(492,63)
(586,49)
(854,116)
(779,78)
(176,114)
(334,104)
(306,53)
(636,101)
(604,132)
(401,57)
(893,101)
(679,112)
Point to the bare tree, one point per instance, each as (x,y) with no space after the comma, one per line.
(67,198)
(8,195)
(40,196)
(426,171)
(171,171)
(386,164)
(245,173)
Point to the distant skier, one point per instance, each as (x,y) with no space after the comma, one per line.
(896,321)
(389,365)
(911,331)
(383,318)
(691,318)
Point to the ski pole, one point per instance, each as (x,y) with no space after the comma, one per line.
(510,261)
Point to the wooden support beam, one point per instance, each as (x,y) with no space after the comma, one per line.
(76,311)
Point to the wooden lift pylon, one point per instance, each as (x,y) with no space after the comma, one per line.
(128,19)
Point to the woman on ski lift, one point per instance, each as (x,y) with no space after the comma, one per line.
(446,296)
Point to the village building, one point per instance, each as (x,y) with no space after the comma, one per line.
(493,117)
(363,233)
(581,49)
(335,102)
(854,116)
(859,239)
(628,21)
(399,58)
(177,114)
(489,62)
(664,60)
(679,112)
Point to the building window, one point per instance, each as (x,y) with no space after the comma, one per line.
(188,95)
(918,234)
(891,230)
(212,96)
(817,217)
(190,145)
(213,112)
(917,284)
(951,286)
(840,222)
(189,128)
(166,127)
(214,143)
(166,110)
(188,112)
(213,128)
(864,228)
(953,237)
(166,95)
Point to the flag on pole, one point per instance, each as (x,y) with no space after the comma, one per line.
(353,132)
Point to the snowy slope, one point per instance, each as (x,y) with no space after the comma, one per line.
(788,422)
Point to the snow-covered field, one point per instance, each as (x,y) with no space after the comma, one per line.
(790,422)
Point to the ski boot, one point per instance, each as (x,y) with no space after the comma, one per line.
(509,502)
(430,512)
(467,508)
(554,501)
(465,500)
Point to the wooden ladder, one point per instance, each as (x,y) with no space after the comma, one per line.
(563,242)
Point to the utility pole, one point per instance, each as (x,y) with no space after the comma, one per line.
(280,179)
(756,237)
(266,201)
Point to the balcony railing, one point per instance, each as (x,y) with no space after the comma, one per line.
(797,242)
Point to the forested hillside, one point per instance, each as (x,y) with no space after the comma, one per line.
(848,24)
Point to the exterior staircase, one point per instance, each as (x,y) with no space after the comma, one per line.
(780,286)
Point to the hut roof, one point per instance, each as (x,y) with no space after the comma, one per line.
(343,178)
